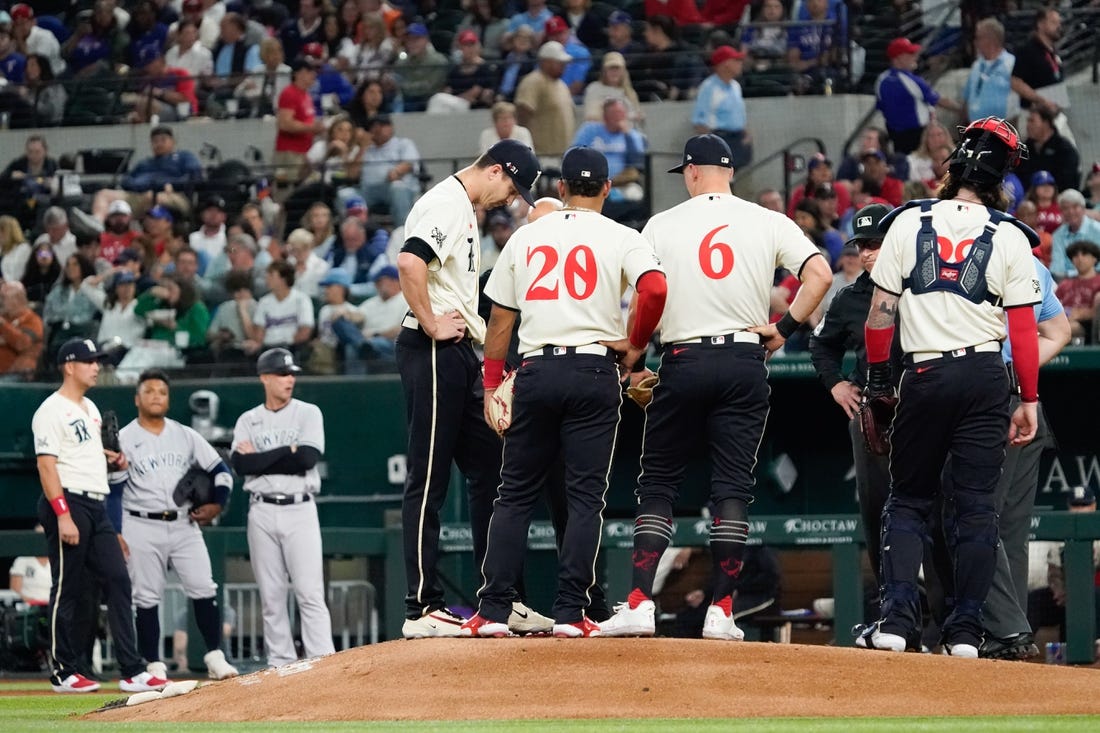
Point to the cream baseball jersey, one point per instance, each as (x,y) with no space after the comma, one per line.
(158,462)
(71,432)
(444,219)
(720,254)
(944,321)
(566,274)
(298,423)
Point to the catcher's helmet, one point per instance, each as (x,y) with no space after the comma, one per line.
(989,148)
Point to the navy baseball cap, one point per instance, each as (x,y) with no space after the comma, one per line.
(277,361)
(123,277)
(160,212)
(83,350)
(582,163)
(520,163)
(619,17)
(1081,496)
(127,255)
(1042,178)
(706,149)
(387,271)
(417,29)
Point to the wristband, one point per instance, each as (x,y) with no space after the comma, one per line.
(787,325)
(60,506)
(494,374)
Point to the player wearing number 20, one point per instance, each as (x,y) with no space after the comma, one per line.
(720,254)
(564,275)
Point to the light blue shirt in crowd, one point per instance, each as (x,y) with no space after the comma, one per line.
(719,106)
(223,64)
(1048,307)
(989,86)
(1060,264)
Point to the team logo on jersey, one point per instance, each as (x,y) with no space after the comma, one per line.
(1035,286)
(471,267)
(42,442)
(81,430)
(438,236)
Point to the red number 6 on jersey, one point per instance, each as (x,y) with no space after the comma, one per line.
(707,251)
(575,269)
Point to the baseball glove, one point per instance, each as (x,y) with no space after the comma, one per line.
(108,431)
(195,488)
(876,417)
(500,404)
(642,392)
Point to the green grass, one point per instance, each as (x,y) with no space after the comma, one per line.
(56,712)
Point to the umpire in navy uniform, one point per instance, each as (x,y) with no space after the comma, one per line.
(839,331)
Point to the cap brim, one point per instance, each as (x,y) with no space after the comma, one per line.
(284,371)
(679,168)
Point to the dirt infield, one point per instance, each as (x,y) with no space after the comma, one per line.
(452,679)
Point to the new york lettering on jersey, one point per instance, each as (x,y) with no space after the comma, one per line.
(159,461)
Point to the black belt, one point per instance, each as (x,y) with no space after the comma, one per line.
(166,516)
(282,499)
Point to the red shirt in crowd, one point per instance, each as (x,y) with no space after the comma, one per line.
(111,244)
(301,103)
(1050,217)
(1078,292)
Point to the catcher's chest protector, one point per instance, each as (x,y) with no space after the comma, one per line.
(965,278)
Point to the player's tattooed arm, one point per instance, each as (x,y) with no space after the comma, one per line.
(884,309)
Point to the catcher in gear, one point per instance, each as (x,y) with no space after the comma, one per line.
(841,330)
(953,269)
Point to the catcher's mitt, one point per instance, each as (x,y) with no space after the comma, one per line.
(195,488)
(642,392)
(500,404)
(876,418)
(108,431)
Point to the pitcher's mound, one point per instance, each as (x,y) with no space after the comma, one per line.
(471,679)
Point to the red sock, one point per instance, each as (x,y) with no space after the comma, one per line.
(726,604)
(636,596)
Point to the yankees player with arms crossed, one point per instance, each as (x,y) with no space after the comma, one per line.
(952,269)
(720,253)
(276,447)
(441,374)
(83,547)
(159,533)
(564,276)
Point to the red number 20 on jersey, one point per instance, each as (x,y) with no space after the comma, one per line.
(578,271)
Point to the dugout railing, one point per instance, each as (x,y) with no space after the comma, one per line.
(842,534)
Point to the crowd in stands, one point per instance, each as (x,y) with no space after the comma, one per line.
(170,272)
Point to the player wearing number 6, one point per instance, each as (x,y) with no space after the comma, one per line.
(720,253)
(564,275)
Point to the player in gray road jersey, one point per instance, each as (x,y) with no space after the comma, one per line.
(158,532)
(276,446)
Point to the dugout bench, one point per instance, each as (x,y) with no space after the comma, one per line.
(842,534)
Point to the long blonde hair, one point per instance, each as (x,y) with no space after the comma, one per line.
(11,234)
(627,86)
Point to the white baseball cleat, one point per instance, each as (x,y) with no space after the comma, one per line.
(717,625)
(143,682)
(157,669)
(966,651)
(525,620)
(627,621)
(217,668)
(441,622)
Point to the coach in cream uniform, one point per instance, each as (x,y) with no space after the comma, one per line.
(276,447)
